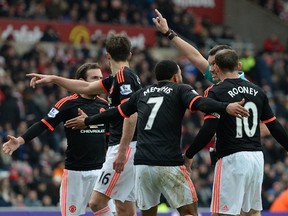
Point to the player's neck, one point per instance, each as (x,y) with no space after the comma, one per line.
(90,97)
(229,75)
(116,66)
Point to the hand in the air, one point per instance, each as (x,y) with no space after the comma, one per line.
(160,22)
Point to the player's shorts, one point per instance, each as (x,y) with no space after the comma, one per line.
(172,181)
(237,183)
(118,186)
(75,191)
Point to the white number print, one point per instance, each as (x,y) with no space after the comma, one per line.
(243,123)
(157,101)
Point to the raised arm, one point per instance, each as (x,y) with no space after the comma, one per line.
(187,49)
(76,86)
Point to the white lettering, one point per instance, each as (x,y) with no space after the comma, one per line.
(245,90)
(231,94)
(235,91)
(242,90)
(164,89)
(90,131)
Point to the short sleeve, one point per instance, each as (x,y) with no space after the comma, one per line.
(130,106)
(188,96)
(106,83)
(128,84)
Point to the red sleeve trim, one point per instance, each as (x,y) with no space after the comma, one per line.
(102,86)
(207,91)
(192,101)
(124,100)
(269,120)
(64,100)
(209,117)
(121,112)
(120,75)
(103,99)
(48,125)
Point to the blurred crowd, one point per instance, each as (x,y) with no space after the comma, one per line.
(278,7)
(32,175)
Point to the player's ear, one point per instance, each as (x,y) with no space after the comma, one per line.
(175,78)
(108,56)
(239,65)
(130,55)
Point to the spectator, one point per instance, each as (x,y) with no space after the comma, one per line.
(5,191)
(32,199)
(273,44)
(50,35)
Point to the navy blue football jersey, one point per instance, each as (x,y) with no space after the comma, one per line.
(235,134)
(86,148)
(120,88)
(160,108)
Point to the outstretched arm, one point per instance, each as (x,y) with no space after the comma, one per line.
(209,105)
(76,86)
(82,121)
(188,50)
(14,143)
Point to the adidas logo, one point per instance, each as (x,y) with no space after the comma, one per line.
(225,208)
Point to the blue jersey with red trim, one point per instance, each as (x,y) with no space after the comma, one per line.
(160,108)
(86,148)
(236,134)
(120,88)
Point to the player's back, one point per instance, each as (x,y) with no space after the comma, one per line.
(120,88)
(160,110)
(236,134)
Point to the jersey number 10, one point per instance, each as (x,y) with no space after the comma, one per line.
(244,124)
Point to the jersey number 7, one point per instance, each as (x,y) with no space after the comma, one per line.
(157,101)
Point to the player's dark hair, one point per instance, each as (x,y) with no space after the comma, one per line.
(165,69)
(227,60)
(81,72)
(119,47)
(217,48)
